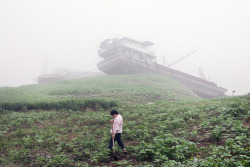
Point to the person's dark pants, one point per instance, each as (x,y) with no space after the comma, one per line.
(118,139)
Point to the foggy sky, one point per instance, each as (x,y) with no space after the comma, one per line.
(67,34)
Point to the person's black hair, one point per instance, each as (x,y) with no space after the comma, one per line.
(113,112)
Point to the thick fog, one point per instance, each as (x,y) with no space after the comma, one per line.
(38,36)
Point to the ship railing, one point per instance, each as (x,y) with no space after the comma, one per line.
(100,51)
(146,51)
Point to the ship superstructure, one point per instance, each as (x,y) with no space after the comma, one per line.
(128,56)
(122,56)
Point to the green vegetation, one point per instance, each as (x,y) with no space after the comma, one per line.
(174,129)
(129,88)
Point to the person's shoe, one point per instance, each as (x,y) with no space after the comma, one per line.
(125,151)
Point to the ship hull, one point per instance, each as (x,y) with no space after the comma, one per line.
(121,64)
(124,65)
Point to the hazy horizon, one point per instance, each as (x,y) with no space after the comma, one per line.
(38,36)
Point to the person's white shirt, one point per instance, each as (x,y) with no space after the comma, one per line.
(117,125)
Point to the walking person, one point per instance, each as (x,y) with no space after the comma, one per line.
(116,130)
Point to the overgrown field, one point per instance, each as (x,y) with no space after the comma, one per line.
(193,132)
(128,88)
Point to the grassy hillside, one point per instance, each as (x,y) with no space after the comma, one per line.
(166,132)
(122,88)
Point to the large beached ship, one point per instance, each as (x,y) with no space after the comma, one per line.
(128,56)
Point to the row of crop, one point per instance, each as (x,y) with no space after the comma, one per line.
(59,105)
(54,138)
(198,128)
(154,134)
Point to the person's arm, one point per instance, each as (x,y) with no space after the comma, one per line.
(114,133)
(111,121)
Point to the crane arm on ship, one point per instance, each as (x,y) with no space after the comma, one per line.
(187,55)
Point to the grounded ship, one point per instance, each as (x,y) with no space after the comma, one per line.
(128,56)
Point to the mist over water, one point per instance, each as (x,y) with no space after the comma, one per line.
(38,37)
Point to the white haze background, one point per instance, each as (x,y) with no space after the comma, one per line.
(67,34)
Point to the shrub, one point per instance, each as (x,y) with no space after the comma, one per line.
(60,105)
(167,147)
(56,160)
(235,109)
